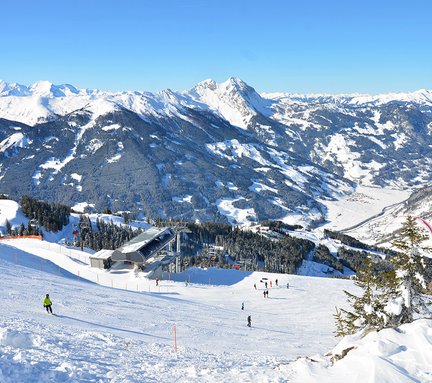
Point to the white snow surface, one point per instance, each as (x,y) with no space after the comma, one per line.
(104,334)
(112,335)
(118,326)
(361,205)
(373,214)
(10,211)
(402,355)
(15,140)
(234,214)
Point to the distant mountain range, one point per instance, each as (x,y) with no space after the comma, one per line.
(216,152)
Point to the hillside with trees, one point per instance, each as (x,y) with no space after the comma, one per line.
(52,216)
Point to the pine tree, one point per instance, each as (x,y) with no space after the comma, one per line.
(367,308)
(341,324)
(21,230)
(407,284)
(8,227)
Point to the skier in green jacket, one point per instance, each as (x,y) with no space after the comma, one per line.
(47,304)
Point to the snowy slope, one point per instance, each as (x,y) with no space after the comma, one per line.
(118,326)
(115,335)
(402,355)
(11,211)
(373,215)
(111,335)
(361,205)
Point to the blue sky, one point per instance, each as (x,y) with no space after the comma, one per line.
(274,45)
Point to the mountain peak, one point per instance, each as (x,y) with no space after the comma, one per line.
(233,83)
(236,82)
(13,89)
(209,84)
(237,85)
(47,88)
(41,87)
(234,100)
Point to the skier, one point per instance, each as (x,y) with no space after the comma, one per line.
(249,319)
(287,285)
(157,281)
(255,286)
(276,281)
(47,304)
(242,305)
(265,284)
(270,283)
(264,293)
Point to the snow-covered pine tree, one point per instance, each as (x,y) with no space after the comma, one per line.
(21,230)
(406,285)
(367,308)
(8,227)
(341,324)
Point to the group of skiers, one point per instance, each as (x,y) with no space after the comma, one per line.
(265,294)
(47,303)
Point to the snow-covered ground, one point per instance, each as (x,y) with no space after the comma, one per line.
(372,215)
(360,206)
(402,355)
(103,334)
(118,326)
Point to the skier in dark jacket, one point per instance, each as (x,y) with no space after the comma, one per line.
(47,304)
(249,319)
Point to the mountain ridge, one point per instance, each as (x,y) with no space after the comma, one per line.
(233,87)
(218,152)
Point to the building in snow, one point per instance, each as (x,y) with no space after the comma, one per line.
(147,250)
(102,259)
(145,246)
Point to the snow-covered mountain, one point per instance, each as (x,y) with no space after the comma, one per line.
(215,152)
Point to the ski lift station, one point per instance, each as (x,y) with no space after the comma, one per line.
(145,250)
(101,259)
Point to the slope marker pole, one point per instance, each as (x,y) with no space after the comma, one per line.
(175,338)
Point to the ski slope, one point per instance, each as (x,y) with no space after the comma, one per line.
(118,326)
(103,334)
